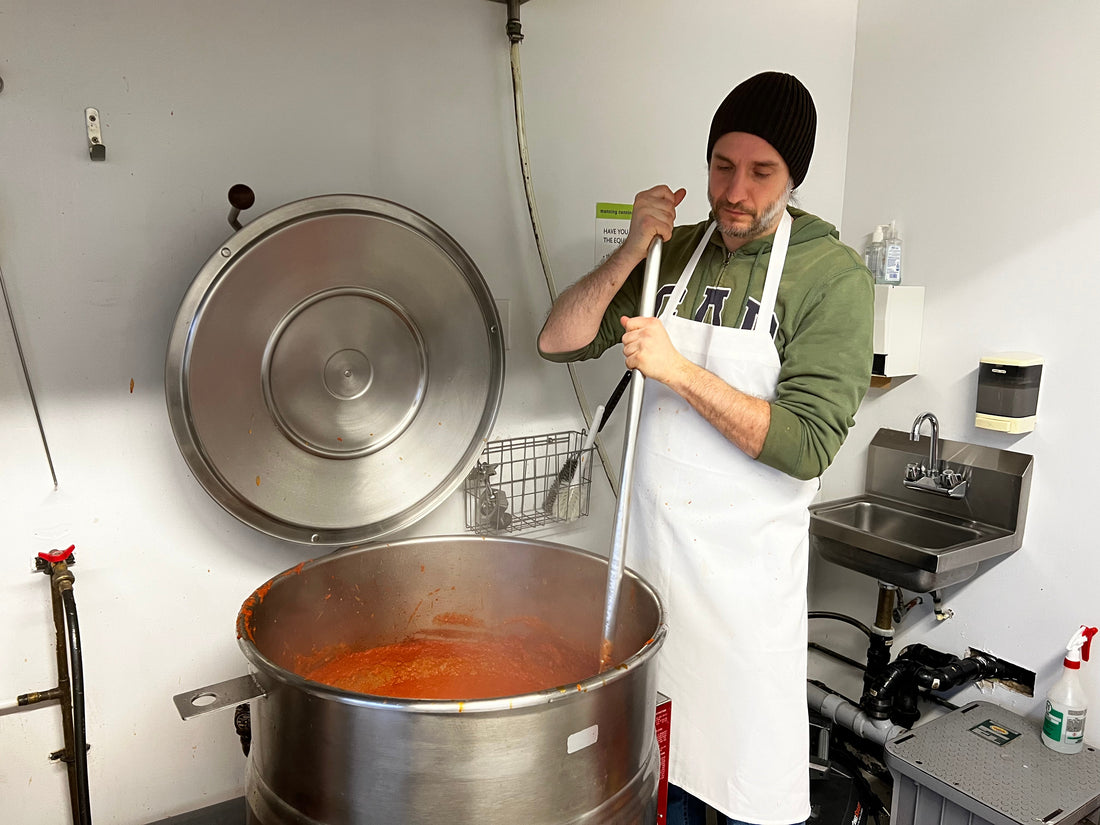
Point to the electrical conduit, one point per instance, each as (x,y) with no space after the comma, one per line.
(515,35)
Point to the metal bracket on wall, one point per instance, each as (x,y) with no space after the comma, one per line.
(96,149)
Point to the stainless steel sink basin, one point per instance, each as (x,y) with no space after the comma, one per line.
(884,521)
(919,541)
(902,545)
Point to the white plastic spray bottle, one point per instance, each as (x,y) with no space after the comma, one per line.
(1064,722)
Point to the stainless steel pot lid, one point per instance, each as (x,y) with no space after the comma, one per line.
(334,369)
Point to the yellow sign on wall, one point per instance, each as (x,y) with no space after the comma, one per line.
(612,227)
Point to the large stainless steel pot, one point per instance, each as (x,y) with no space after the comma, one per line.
(577,753)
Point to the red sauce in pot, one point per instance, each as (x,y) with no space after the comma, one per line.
(459,664)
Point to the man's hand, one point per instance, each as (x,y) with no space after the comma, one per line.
(647,348)
(741,418)
(654,214)
(575,317)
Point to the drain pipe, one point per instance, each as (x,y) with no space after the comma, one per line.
(894,693)
(882,640)
(843,712)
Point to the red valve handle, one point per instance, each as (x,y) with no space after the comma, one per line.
(54,556)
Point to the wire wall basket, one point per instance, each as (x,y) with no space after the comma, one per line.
(524,483)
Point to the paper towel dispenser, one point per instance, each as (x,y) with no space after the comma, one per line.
(899,315)
(1008,391)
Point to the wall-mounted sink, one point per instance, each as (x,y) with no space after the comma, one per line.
(917,540)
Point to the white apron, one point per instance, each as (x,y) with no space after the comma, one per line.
(724,540)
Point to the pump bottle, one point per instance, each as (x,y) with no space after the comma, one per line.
(876,254)
(891,259)
(1067,704)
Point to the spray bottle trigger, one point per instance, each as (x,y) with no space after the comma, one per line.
(1088,633)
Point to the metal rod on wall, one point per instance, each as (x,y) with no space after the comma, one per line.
(27,377)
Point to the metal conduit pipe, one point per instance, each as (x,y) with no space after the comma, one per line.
(843,712)
(515,36)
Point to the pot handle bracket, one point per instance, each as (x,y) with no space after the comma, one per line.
(218,696)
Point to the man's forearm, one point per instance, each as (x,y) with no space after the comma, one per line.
(575,317)
(743,419)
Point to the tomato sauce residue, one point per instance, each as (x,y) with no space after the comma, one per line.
(460,660)
(252,602)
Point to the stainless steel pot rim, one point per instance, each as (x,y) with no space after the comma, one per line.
(563,693)
(268,671)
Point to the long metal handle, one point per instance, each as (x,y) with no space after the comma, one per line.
(616,561)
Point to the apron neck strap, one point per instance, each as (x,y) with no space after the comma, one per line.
(771,280)
(680,289)
(775,269)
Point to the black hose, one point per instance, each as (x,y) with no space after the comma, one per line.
(80,735)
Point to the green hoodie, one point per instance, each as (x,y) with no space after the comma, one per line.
(825,312)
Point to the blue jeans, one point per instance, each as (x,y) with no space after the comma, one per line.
(685,809)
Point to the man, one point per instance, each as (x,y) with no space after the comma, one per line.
(757,361)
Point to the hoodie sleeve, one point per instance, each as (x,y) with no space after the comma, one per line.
(825,372)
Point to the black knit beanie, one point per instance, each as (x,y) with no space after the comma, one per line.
(776,107)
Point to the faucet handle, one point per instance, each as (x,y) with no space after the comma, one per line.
(951,478)
(913,471)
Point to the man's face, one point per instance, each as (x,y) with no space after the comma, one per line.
(747,187)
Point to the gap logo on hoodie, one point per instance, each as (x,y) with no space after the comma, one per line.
(710,309)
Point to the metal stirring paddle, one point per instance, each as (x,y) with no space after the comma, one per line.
(616,560)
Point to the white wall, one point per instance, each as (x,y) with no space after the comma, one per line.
(971,124)
(410,102)
(974,126)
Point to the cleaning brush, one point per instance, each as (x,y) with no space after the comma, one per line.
(569,469)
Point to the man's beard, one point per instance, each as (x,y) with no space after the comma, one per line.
(761,222)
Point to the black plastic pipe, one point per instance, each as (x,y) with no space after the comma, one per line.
(922,667)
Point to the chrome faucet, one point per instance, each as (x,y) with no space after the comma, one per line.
(937,477)
(933,445)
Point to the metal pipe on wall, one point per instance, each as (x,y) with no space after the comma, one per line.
(27,376)
(515,35)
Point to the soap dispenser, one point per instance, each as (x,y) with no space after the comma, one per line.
(891,259)
(876,254)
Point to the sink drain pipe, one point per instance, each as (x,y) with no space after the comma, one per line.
(919,668)
(843,712)
(839,708)
(880,636)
